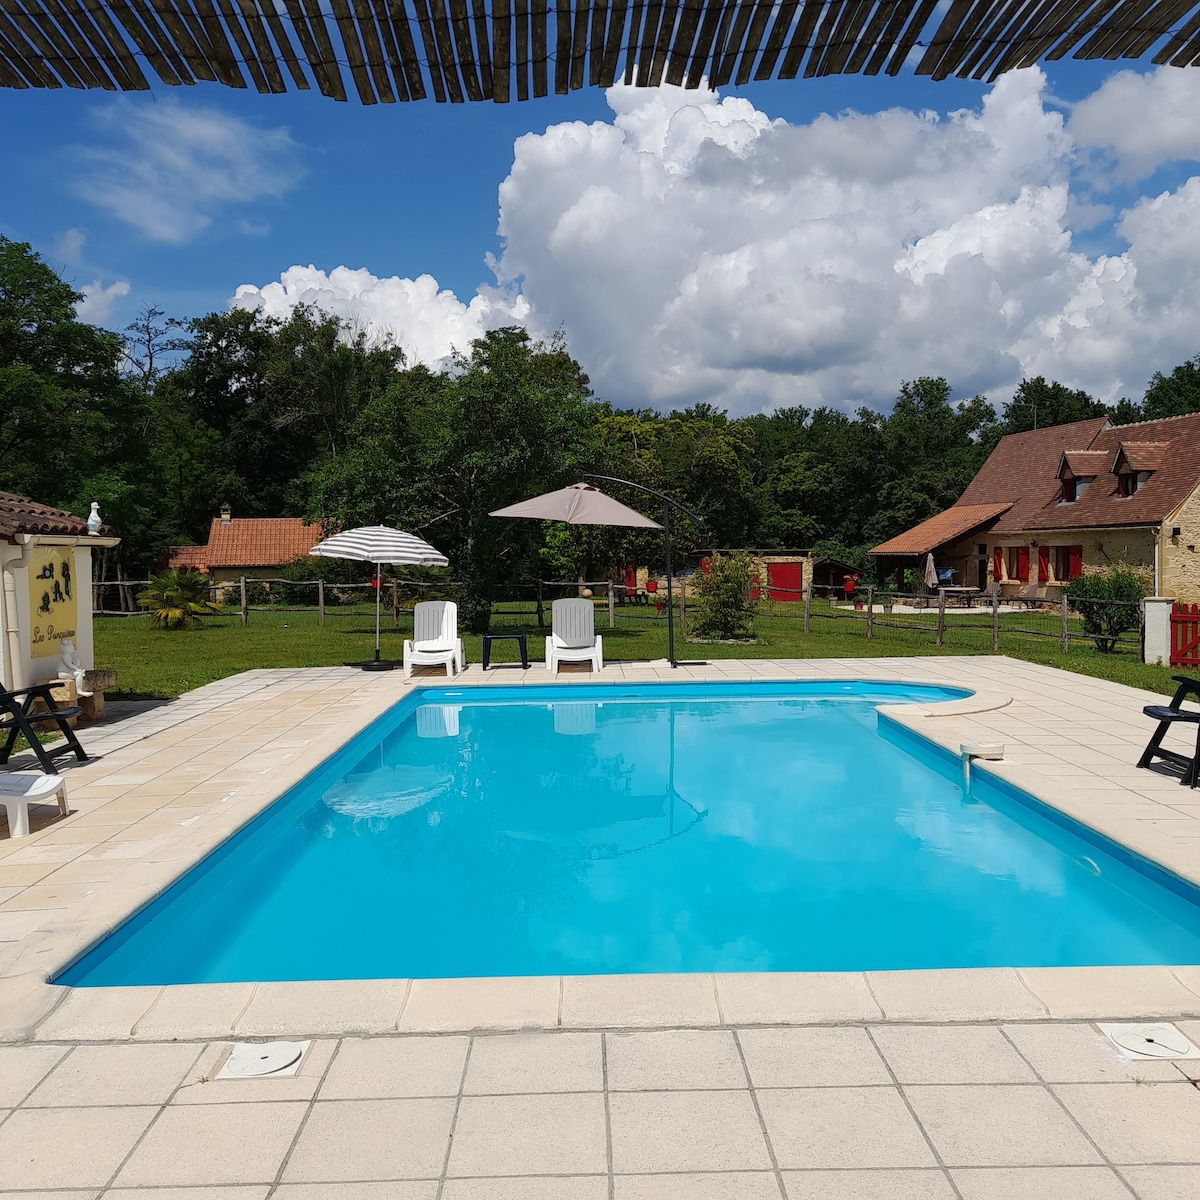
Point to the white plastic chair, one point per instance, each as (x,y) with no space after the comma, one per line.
(438,720)
(573,636)
(18,791)
(435,641)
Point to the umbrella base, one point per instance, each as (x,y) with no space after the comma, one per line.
(378,664)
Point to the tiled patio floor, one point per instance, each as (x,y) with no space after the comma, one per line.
(857,1112)
(881,1086)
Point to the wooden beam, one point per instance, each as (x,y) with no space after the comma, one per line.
(69,41)
(184,32)
(246,49)
(150,39)
(34,60)
(649,38)
(373,51)
(662,43)
(613,41)
(829,20)
(268,13)
(809,15)
(321,56)
(725,62)
(483,47)
(106,43)
(579,44)
(562,46)
(445,45)
(754,36)
(522,55)
(909,38)
(215,45)
(597,30)
(633,40)
(845,37)
(710,24)
(776,38)
(406,46)
(387,39)
(887,39)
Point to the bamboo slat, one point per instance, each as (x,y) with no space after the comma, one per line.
(1178,51)
(539,54)
(633,40)
(69,47)
(579,44)
(710,24)
(809,15)
(135,15)
(368,32)
(596,43)
(776,38)
(909,38)
(662,43)
(460,26)
(866,43)
(10,76)
(829,19)
(38,58)
(887,39)
(725,62)
(754,36)
(685,38)
(265,11)
(113,59)
(107,29)
(429,41)
(562,46)
(483,46)
(182,33)
(246,49)
(319,54)
(844,37)
(1099,43)
(215,45)
(1159,21)
(445,46)
(501,50)
(613,40)
(942,47)
(1076,33)
(355,59)
(521,64)
(406,46)
(1009,41)
(645,59)
(387,38)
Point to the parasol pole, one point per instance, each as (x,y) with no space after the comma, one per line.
(377,664)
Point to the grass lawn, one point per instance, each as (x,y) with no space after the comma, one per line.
(157,663)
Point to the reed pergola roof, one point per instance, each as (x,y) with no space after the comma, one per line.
(500,50)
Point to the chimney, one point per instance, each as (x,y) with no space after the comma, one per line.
(226,514)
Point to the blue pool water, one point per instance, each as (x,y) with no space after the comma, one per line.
(601,829)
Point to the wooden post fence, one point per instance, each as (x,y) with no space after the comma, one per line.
(541,612)
(245,606)
(807,605)
(941,625)
(395,605)
(996,621)
(870,613)
(612,607)
(1066,629)
(683,606)
(320,602)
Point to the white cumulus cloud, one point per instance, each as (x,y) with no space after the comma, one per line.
(695,249)
(98,300)
(1138,122)
(169,170)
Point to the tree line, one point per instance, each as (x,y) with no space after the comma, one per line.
(308,416)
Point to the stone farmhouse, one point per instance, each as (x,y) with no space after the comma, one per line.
(1056,503)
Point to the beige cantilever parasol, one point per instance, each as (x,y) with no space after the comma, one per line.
(579,504)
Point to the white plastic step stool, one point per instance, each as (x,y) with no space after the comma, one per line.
(18,790)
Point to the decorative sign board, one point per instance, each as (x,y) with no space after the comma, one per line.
(53,611)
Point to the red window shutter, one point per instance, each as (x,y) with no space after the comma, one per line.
(1043,563)
(997,564)
(1023,563)
(1074,562)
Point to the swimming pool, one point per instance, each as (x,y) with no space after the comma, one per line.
(648,828)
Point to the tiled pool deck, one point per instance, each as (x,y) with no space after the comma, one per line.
(887,1086)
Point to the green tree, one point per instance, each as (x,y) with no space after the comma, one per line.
(1037,404)
(724,589)
(1175,394)
(1108,603)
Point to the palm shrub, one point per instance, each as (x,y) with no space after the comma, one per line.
(1109,603)
(177,599)
(725,609)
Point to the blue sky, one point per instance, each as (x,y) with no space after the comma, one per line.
(179,196)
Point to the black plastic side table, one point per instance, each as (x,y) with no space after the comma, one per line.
(519,638)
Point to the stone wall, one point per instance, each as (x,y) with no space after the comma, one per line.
(1180,556)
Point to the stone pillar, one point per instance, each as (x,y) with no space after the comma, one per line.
(1157,619)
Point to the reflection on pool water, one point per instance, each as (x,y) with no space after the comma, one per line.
(596,829)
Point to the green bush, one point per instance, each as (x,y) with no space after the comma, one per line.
(1108,603)
(725,609)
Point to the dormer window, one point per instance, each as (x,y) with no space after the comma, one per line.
(1128,482)
(1076,470)
(1134,463)
(1070,490)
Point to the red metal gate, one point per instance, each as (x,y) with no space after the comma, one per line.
(1185,635)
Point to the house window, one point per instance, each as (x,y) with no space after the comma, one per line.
(1069,493)
(1068,563)
(1018,563)
(1127,484)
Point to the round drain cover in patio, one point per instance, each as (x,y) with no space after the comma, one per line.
(1150,1041)
(251,1060)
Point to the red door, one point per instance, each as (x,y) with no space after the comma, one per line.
(785,581)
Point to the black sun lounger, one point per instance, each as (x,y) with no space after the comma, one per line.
(18,716)
(1166,715)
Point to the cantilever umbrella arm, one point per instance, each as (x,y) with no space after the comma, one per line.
(668,504)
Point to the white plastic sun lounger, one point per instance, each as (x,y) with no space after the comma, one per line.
(18,790)
(435,641)
(573,636)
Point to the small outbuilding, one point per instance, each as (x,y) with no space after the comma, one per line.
(240,546)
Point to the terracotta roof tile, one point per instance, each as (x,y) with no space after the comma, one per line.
(1085,463)
(1141,456)
(954,523)
(20,514)
(248,542)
